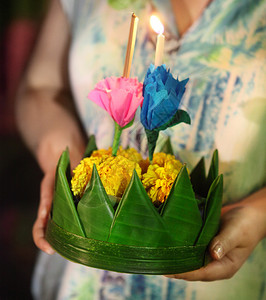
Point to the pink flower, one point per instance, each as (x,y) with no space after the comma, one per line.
(120,97)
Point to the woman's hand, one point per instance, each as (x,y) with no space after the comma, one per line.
(48,156)
(46,198)
(45,113)
(243,225)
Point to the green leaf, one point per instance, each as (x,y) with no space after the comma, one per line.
(123,258)
(64,212)
(198,179)
(179,117)
(181,213)
(201,184)
(128,125)
(91,146)
(95,209)
(214,169)
(212,212)
(167,147)
(136,221)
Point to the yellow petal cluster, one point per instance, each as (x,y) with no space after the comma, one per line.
(82,174)
(131,154)
(115,172)
(160,176)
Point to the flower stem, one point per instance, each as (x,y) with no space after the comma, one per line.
(118,131)
(152,136)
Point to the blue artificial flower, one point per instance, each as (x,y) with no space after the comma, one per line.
(160,109)
(162,95)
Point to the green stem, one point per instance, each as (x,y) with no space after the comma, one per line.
(152,136)
(118,131)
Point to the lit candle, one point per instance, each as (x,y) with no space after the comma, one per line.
(158,27)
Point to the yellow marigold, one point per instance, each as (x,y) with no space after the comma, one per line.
(159,158)
(160,177)
(131,154)
(82,174)
(144,164)
(115,174)
(162,158)
(102,152)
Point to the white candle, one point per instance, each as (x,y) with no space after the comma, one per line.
(158,27)
(159,50)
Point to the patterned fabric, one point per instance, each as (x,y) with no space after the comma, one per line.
(223,54)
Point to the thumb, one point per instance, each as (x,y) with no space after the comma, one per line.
(227,239)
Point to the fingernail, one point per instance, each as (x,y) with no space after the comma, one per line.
(50,251)
(43,213)
(218,251)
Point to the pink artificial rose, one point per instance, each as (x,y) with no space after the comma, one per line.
(120,97)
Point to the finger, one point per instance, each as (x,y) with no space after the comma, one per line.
(38,233)
(46,196)
(43,214)
(216,270)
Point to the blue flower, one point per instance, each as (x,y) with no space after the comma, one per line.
(160,109)
(162,95)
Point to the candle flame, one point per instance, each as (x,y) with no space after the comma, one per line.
(156,24)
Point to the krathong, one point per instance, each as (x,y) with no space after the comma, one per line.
(120,212)
(160,108)
(136,234)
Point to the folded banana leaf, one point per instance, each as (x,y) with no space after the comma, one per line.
(212,212)
(91,146)
(180,211)
(201,184)
(124,258)
(95,209)
(213,170)
(64,212)
(136,221)
(167,147)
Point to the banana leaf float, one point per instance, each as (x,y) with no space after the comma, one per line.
(135,236)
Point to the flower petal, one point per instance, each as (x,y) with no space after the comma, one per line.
(120,97)
(101,98)
(120,102)
(162,96)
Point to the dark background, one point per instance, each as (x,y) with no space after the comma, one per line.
(20,175)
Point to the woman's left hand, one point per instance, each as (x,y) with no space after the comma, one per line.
(243,225)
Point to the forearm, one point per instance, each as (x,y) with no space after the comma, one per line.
(48,124)
(45,114)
